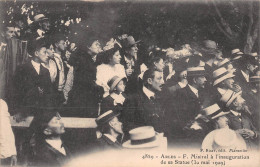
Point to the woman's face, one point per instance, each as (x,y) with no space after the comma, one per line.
(159,65)
(116,58)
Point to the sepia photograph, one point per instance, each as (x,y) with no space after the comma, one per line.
(111,83)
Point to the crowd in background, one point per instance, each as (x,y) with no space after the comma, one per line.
(182,94)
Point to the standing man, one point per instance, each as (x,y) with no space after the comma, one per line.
(143,108)
(42,24)
(188,102)
(32,83)
(59,48)
(131,62)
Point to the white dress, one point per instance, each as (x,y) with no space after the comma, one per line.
(105,72)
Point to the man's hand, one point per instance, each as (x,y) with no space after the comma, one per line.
(246,133)
(128,72)
(13,160)
(19,117)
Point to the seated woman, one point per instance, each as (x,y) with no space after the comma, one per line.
(110,68)
(116,98)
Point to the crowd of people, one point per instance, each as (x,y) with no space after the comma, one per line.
(135,96)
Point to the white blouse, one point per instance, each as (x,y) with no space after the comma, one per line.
(105,72)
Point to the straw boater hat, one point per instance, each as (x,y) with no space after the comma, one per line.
(236,54)
(214,111)
(142,137)
(196,71)
(220,75)
(39,17)
(223,62)
(229,96)
(223,138)
(254,79)
(112,83)
(106,117)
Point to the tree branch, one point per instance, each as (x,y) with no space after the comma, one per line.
(222,30)
(222,20)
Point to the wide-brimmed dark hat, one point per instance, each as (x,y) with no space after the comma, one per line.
(42,118)
(129,42)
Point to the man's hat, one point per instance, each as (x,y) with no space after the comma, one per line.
(129,42)
(223,62)
(142,137)
(39,17)
(220,75)
(214,111)
(180,65)
(236,54)
(196,71)
(254,79)
(42,118)
(113,82)
(106,117)
(209,47)
(223,138)
(229,96)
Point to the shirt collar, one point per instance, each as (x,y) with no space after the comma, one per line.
(40,32)
(194,90)
(112,138)
(37,65)
(55,143)
(245,75)
(182,85)
(148,92)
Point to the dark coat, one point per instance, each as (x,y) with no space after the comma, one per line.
(46,155)
(139,110)
(26,84)
(133,84)
(104,143)
(245,123)
(186,106)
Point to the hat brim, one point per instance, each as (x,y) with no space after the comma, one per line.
(233,98)
(208,142)
(223,78)
(152,144)
(115,84)
(220,114)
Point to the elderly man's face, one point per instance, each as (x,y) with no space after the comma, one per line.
(201,81)
(156,82)
(133,51)
(56,126)
(238,103)
(10,32)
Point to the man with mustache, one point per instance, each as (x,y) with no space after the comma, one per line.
(239,119)
(143,108)
(188,102)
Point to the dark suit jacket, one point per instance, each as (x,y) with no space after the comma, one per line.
(186,106)
(26,84)
(46,155)
(139,110)
(104,143)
